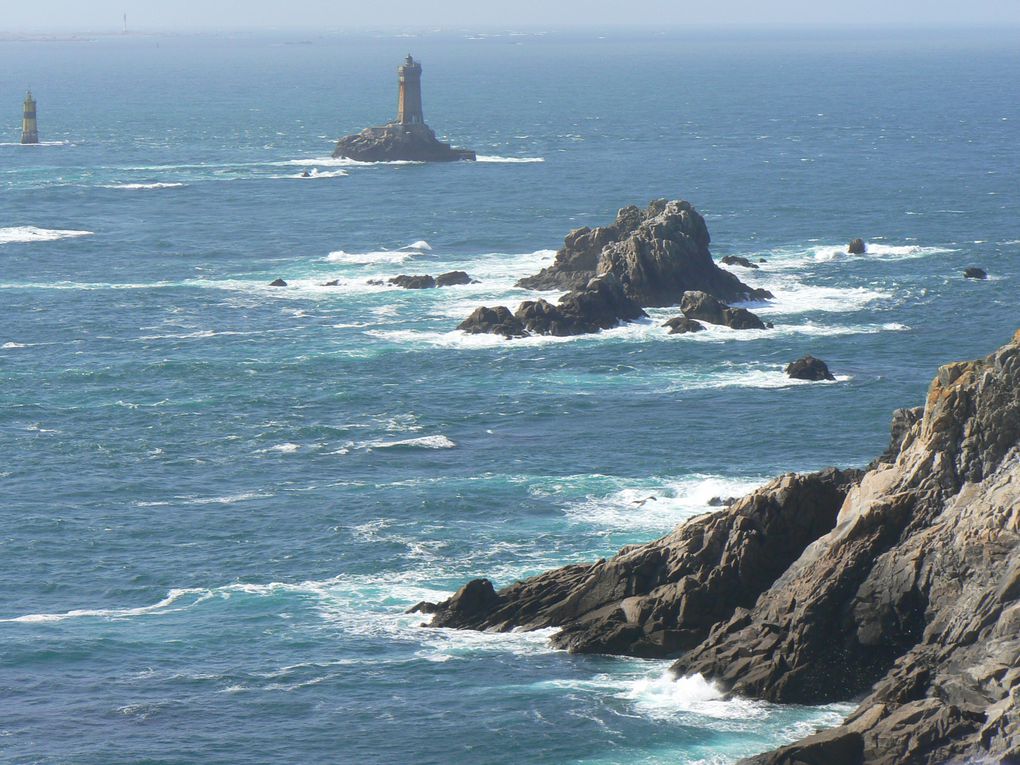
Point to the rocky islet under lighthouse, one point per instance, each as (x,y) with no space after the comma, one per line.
(407,137)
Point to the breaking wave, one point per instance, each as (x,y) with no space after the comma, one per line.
(24,234)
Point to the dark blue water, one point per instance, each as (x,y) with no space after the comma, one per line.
(218,497)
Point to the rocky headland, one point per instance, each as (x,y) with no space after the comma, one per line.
(898,588)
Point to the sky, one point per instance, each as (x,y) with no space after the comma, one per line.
(156,15)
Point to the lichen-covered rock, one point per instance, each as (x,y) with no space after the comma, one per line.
(809,368)
(657,254)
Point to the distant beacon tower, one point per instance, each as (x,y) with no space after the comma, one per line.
(29,128)
(409,102)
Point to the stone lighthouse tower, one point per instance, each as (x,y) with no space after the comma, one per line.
(409,101)
(29,128)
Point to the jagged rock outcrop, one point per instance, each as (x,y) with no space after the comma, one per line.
(809,368)
(660,598)
(737,260)
(913,598)
(907,597)
(704,307)
(681,325)
(657,254)
(602,304)
(393,142)
(493,321)
(856,247)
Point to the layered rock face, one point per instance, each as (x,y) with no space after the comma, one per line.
(907,595)
(657,254)
(914,596)
(388,143)
(656,599)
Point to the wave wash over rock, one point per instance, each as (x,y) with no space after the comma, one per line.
(901,587)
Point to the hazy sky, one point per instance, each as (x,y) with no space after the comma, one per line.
(98,15)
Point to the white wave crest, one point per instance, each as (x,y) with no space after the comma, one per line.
(421,244)
(424,442)
(508,160)
(142,186)
(12,345)
(665,696)
(23,234)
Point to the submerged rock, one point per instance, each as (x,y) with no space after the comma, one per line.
(736,260)
(702,306)
(680,325)
(975,273)
(657,254)
(278,283)
(809,368)
(856,247)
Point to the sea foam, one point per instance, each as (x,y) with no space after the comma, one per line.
(23,234)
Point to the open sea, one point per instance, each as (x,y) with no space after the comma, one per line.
(218,498)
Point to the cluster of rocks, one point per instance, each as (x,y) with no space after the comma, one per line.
(601,304)
(698,306)
(410,282)
(645,258)
(898,587)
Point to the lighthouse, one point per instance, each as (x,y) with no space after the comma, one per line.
(29,128)
(409,98)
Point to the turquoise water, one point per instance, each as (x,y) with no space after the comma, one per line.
(218,498)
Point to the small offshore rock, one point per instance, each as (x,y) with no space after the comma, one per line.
(857,247)
(494,321)
(736,260)
(681,325)
(454,277)
(278,283)
(809,368)
(334,283)
(975,273)
(415,282)
(702,306)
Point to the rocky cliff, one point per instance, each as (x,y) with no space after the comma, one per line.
(657,254)
(902,587)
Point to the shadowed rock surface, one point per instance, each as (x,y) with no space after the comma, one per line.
(494,321)
(452,278)
(907,596)
(975,273)
(680,325)
(602,304)
(657,254)
(413,282)
(856,247)
(705,307)
(657,599)
(736,260)
(809,368)
(913,597)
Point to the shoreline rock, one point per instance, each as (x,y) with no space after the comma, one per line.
(901,586)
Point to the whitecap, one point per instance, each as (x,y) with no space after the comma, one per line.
(508,160)
(23,234)
(664,696)
(421,244)
(142,186)
(191,597)
(12,345)
(367,258)
(287,448)
(423,442)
